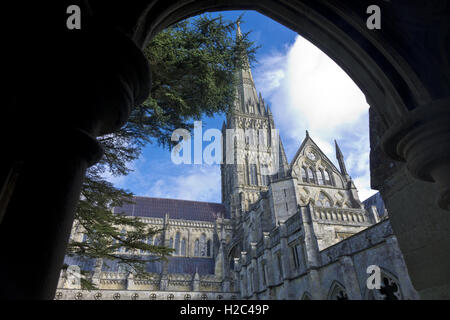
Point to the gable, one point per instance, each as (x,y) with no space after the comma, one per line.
(311,155)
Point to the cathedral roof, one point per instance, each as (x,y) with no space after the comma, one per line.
(177,209)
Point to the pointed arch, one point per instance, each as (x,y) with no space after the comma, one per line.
(390,288)
(306,296)
(177,243)
(324,199)
(337,292)
(310,172)
(183,247)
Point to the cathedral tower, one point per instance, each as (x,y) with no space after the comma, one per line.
(252,153)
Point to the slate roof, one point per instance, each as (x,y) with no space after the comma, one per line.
(183,265)
(375,200)
(177,209)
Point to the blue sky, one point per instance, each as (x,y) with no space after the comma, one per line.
(306,91)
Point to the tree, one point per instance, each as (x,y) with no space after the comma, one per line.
(193,64)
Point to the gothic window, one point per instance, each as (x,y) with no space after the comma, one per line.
(177,243)
(327,177)
(264,177)
(337,292)
(311,176)
(171,243)
(320,176)
(208,248)
(389,290)
(295,257)
(304,175)
(253,178)
(280,267)
(196,248)
(183,247)
(263,268)
(157,240)
(203,245)
(324,200)
(247,172)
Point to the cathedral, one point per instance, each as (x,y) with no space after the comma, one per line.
(284,230)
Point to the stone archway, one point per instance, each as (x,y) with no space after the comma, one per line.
(403,69)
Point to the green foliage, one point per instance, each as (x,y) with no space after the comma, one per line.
(193,64)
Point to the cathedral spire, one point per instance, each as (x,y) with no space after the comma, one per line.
(340,158)
(247,98)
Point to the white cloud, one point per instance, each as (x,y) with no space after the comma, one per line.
(200,183)
(309,91)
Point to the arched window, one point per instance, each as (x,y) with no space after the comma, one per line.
(196,248)
(326,176)
(183,247)
(320,176)
(203,245)
(389,289)
(304,175)
(177,243)
(324,200)
(208,248)
(311,176)
(337,292)
(253,178)
(157,240)
(171,243)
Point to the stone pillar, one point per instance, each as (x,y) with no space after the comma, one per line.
(312,253)
(285,254)
(401,270)
(254,266)
(51,131)
(416,192)
(243,275)
(350,278)
(270,280)
(310,241)
(236,274)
